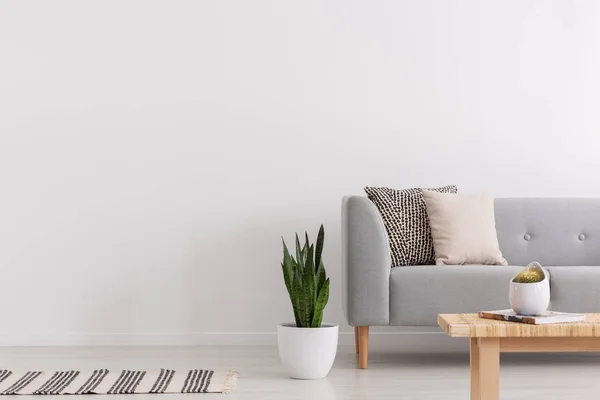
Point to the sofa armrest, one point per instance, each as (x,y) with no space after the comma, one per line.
(365,263)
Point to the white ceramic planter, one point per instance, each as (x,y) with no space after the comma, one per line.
(530,298)
(307,353)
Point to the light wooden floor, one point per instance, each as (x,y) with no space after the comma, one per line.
(390,375)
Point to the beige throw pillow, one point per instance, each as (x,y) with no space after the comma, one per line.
(463,228)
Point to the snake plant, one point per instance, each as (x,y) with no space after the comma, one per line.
(306,281)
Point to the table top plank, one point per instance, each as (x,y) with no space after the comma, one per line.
(470,325)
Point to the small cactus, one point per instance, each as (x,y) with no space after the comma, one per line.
(531,274)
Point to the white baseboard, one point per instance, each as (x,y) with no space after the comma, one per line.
(399,341)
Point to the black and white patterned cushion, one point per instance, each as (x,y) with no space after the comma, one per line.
(404,215)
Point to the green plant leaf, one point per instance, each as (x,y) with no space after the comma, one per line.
(298,303)
(309,290)
(317,319)
(294,302)
(321,276)
(319,246)
(309,259)
(287,267)
(322,299)
(299,258)
(305,254)
(287,278)
(298,273)
(306,242)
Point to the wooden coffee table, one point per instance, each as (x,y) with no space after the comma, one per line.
(490,337)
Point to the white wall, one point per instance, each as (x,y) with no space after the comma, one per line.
(152,153)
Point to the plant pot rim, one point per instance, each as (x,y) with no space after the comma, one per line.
(292,325)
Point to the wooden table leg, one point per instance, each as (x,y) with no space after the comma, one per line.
(474,369)
(489,368)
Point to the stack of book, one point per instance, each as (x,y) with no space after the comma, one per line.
(549,317)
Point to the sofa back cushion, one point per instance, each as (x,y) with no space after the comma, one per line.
(552,231)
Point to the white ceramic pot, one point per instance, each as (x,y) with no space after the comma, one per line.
(530,298)
(307,353)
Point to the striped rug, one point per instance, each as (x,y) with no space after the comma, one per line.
(104,381)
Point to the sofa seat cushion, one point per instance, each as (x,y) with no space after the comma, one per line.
(575,289)
(419,293)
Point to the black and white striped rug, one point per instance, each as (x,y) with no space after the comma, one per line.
(103,381)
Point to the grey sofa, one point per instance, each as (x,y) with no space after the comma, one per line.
(563,234)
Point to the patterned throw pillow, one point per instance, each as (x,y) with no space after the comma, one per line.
(404,215)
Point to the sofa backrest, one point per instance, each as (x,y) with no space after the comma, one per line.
(552,231)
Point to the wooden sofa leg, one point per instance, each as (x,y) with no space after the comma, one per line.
(363,346)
